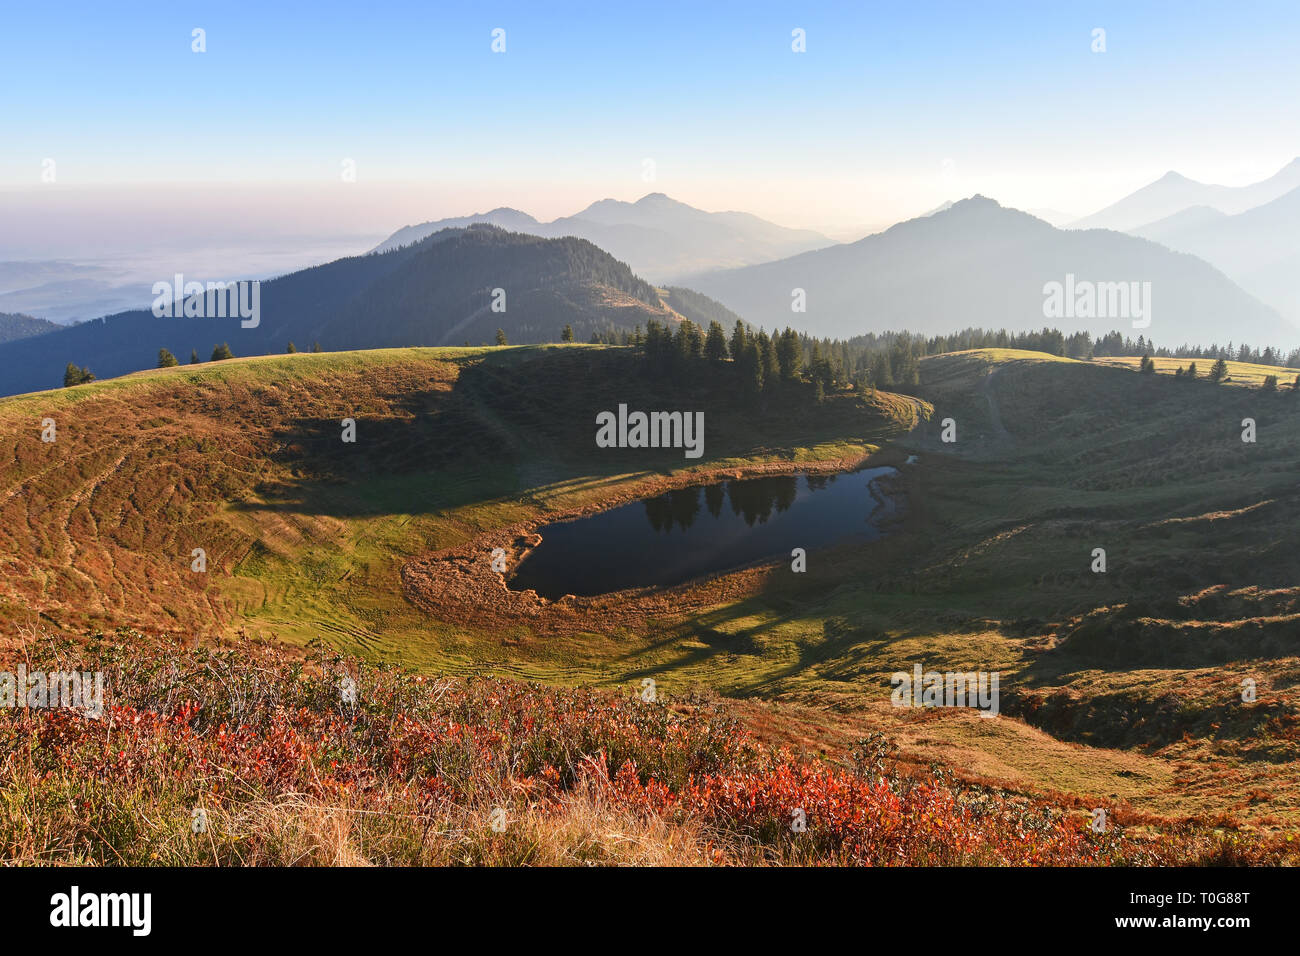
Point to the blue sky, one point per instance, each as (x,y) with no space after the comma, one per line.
(892,109)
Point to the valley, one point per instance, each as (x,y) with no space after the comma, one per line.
(1119,689)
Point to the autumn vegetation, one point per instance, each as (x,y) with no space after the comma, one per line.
(242,754)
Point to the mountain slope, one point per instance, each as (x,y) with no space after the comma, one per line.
(243,459)
(459,451)
(657,236)
(503,216)
(1173,193)
(438,291)
(700,309)
(981,264)
(15,326)
(1258,248)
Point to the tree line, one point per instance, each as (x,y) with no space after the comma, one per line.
(891,360)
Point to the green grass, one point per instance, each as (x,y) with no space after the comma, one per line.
(1245,374)
(989,571)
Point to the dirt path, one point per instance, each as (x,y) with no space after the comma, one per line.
(995,417)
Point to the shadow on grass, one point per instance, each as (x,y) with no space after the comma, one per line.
(436,449)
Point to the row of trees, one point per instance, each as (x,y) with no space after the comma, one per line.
(766,360)
(763,362)
(75,375)
(1218,374)
(1113,345)
(219,353)
(891,360)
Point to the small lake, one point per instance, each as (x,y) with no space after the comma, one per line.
(684,534)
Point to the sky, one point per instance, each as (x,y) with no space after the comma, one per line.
(892,109)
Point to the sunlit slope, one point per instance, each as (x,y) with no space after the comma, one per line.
(1247,374)
(304,533)
(993,571)
(1122,686)
(1055,462)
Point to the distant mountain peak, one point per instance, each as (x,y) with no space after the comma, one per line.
(660,237)
(1174,192)
(983,263)
(975,203)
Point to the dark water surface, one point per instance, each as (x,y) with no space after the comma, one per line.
(694,531)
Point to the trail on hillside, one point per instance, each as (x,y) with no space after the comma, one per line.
(464,323)
(995,416)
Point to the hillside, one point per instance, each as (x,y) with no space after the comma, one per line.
(14,326)
(243,458)
(480,772)
(978,263)
(1259,248)
(659,237)
(439,291)
(700,309)
(1119,689)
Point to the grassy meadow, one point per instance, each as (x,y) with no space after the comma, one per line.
(1120,689)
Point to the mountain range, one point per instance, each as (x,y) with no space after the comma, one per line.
(968,263)
(1174,193)
(15,326)
(659,237)
(978,263)
(1251,233)
(440,290)
(1259,248)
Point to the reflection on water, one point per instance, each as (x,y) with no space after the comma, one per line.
(683,534)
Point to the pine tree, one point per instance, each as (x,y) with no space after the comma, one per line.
(715,344)
(788,354)
(166,359)
(315,347)
(694,340)
(1191,371)
(752,368)
(501,337)
(220,352)
(565,336)
(1219,371)
(77,376)
(1270,383)
(881,374)
(291,349)
(738,340)
(771,365)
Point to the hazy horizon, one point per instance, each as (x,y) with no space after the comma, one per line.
(884,116)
